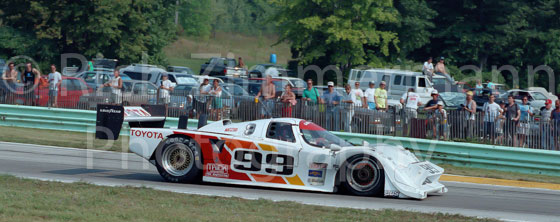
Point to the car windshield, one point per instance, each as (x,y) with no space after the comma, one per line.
(438,81)
(316,136)
(538,96)
(298,83)
(184,80)
(454,99)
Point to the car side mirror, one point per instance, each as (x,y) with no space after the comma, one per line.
(335,147)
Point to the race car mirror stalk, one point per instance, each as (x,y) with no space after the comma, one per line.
(335,147)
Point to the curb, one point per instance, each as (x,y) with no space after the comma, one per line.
(499,182)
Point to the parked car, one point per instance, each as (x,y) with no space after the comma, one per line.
(544,92)
(536,99)
(180,78)
(69,93)
(200,79)
(222,67)
(105,63)
(398,82)
(453,100)
(143,72)
(94,79)
(134,93)
(180,69)
(258,71)
(441,84)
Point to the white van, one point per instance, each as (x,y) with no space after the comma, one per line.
(398,82)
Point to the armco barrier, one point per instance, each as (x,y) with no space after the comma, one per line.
(459,154)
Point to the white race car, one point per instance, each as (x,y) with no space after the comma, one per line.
(281,153)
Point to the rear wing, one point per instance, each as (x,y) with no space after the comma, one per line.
(111,117)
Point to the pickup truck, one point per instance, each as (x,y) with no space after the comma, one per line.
(222,67)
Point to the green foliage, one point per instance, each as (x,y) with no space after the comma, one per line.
(344,33)
(196,17)
(121,29)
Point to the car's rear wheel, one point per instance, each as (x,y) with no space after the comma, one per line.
(363,175)
(179,160)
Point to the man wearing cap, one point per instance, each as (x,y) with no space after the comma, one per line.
(164,90)
(370,96)
(349,99)
(546,132)
(381,97)
(360,98)
(441,118)
(430,108)
(410,101)
(331,99)
(440,70)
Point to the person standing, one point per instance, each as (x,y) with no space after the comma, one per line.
(441,120)
(9,77)
(555,119)
(54,79)
(360,99)
(428,68)
(479,87)
(30,78)
(430,108)
(311,98)
(165,90)
(524,121)
(369,95)
(268,92)
(512,120)
(349,99)
(216,93)
(201,105)
(116,87)
(289,99)
(410,100)
(381,97)
(470,114)
(440,70)
(240,63)
(491,111)
(545,122)
(331,98)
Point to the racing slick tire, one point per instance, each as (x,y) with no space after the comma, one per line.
(179,160)
(362,175)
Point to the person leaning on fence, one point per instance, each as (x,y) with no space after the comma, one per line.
(555,119)
(54,79)
(116,87)
(410,101)
(268,92)
(512,120)
(491,110)
(545,122)
(288,98)
(441,120)
(470,113)
(332,99)
(381,97)
(30,78)
(165,90)
(430,108)
(524,121)
(369,95)
(348,99)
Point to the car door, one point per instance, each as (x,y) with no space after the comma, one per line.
(397,87)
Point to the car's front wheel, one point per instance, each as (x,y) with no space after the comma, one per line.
(179,160)
(363,175)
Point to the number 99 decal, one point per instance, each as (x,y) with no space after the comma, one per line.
(278,164)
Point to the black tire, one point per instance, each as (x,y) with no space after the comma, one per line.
(179,160)
(362,175)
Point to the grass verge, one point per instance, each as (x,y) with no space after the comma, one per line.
(80,140)
(32,200)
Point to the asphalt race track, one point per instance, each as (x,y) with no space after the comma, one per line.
(116,169)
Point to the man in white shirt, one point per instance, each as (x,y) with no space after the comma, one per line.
(410,101)
(370,96)
(55,79)
(348,100)
(165,89)
(428,68)
(359,95)
(491,112)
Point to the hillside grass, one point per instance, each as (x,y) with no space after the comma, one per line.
(253,49)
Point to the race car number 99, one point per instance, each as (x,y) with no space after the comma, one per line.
(252,161)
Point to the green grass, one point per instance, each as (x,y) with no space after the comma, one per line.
(253,49)
(32,200)
(61,138)
(80,140)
